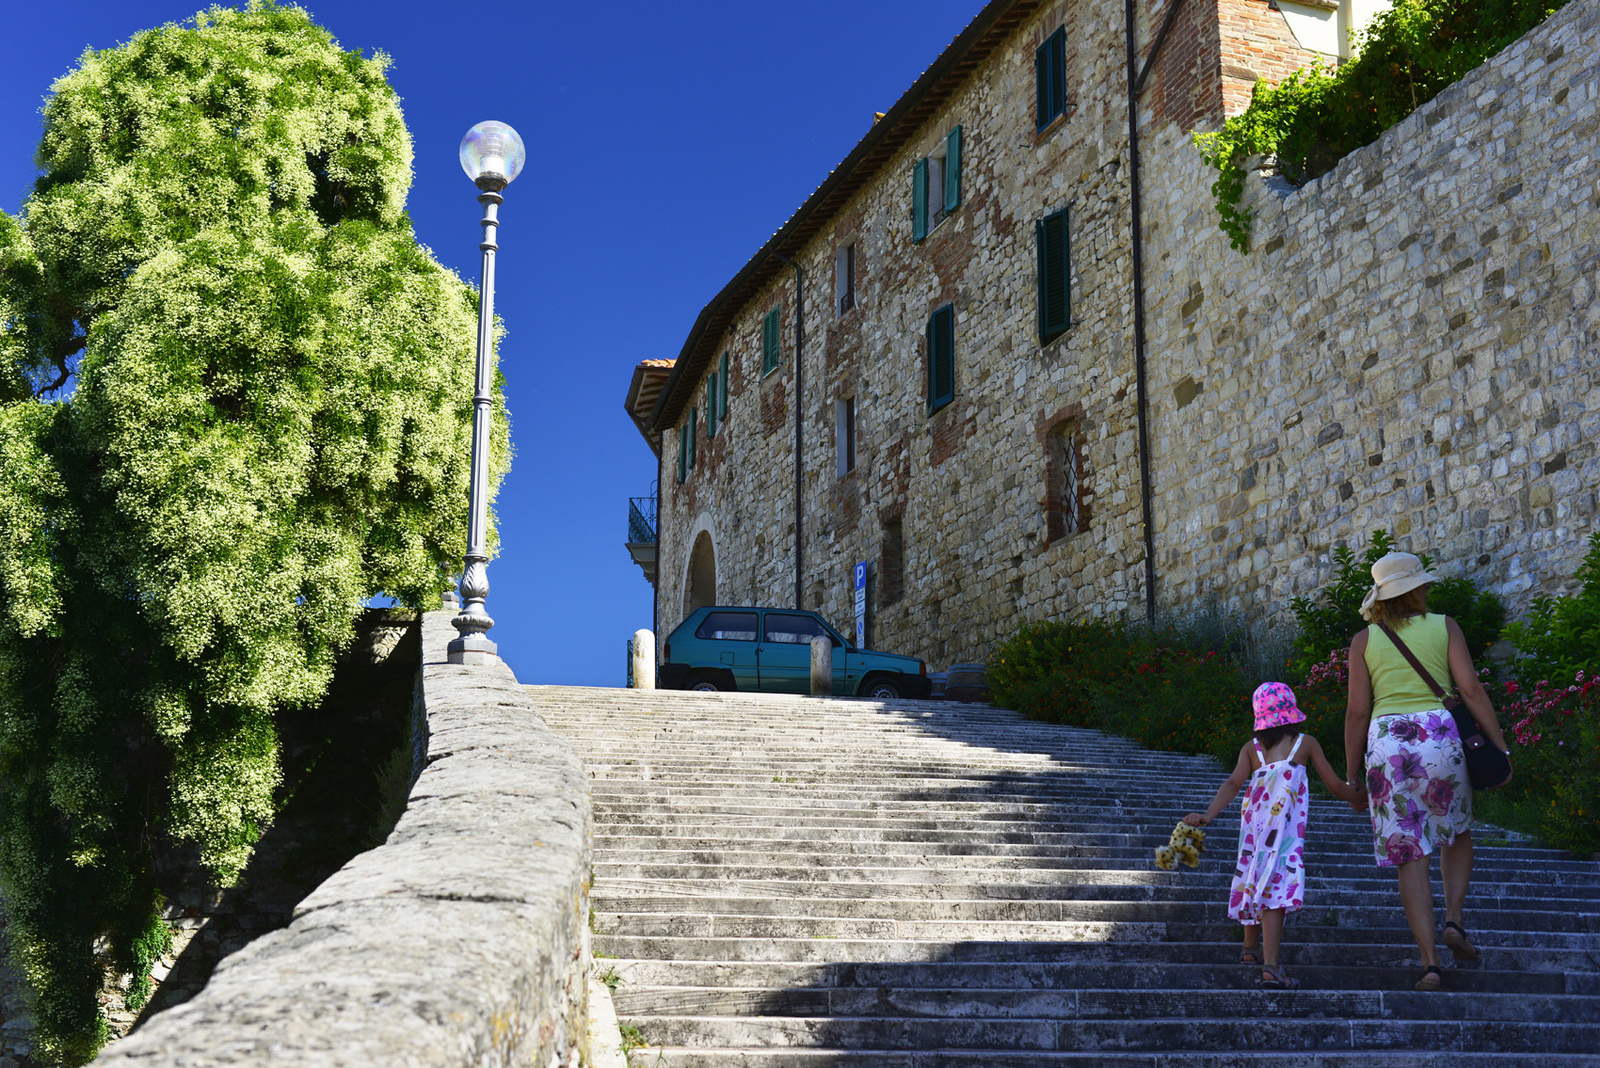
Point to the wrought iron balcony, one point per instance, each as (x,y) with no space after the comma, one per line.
(642,534)
(641,520)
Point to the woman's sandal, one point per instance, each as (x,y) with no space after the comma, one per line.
(1279,981)
(1455,937)
(1432,979)
(1250,955)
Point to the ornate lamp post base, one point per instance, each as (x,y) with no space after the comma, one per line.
(473,649)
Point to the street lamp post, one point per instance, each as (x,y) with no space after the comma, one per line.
(492,155)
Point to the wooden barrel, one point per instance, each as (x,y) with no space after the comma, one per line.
(967,682)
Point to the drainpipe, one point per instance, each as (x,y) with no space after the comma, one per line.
(799,419)
(1136,79)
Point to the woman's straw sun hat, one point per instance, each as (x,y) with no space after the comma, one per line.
(1393,575)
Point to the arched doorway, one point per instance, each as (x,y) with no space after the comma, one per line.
(701,588)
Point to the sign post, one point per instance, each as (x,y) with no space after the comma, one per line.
(861,605)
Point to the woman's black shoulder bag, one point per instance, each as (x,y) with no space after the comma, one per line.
(1487,767)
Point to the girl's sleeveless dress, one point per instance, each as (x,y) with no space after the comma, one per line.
(1272,838)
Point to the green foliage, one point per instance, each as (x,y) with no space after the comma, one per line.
(234,404)
(1184,686)
(1561,635)
(1555,743)
(1406,56)
(1329,619)
(1042,668)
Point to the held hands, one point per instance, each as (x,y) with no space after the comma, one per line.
(1356,794)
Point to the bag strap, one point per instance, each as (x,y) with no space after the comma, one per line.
(1411,658)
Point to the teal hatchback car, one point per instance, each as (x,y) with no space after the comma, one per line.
(769,650)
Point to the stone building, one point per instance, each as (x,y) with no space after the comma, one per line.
(935,366)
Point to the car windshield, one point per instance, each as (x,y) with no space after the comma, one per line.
(729,626)
(793,628)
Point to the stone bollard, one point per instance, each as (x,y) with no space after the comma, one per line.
(821,667)
(644,660)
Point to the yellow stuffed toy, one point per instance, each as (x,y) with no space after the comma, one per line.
(1186,844)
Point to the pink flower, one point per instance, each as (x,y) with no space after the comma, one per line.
(1439,795)
(1400,849)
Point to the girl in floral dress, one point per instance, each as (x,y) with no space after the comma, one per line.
(1269,880)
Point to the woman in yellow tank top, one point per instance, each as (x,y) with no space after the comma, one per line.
(1415,774)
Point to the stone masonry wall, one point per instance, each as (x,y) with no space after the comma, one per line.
(1411,344)
(462,941)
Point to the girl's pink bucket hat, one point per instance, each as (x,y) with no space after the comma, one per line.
(1275,706)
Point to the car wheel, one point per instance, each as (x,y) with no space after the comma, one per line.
(704,681)
(883,688)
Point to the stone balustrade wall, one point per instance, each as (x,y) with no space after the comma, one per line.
(461,941)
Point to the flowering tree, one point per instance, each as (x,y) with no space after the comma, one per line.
(233,406)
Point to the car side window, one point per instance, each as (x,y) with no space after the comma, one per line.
(795,629)
(729,626)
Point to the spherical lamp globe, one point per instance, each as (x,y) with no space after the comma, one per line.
(492,155)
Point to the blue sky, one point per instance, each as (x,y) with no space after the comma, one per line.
(666,142)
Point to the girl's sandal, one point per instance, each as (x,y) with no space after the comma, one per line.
(1250,956)
(1432,979)
(1455,937)
(1278,980)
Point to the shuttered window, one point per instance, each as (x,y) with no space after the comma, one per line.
(711,407)
(919,200)
(693,412)
(1050,78)
(936,186)
(952,170)
(941,358)
(1055,276)
(683,453)
(769,342)
(722,384)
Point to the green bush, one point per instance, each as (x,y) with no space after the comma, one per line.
(1184,687)
(1555,737)
(1329,619)
(1316,117)
(1042,668)
(1561,635)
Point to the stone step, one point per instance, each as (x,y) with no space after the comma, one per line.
(1090,1003)
(1289,1033)
(680,1057)
(1295,953)
(1228,974)
(1353,911)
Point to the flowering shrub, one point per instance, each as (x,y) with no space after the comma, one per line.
(1554,736)
(1043,669)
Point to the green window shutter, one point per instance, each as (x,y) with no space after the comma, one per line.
(1050,78)
(683,454)
(711,407)
(722,384)
(1055,275)
(769,342)
(693,413)
(941,358)
(952,170)
(919,200)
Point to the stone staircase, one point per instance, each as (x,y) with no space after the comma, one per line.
(785,881)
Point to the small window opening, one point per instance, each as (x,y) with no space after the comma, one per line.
(844,278)
(844,435)
(891,563)
(1065,504)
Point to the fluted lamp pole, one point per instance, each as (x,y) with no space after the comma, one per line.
(492,155)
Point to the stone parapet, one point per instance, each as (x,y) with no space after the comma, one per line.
(462,940)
